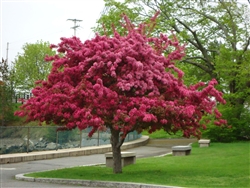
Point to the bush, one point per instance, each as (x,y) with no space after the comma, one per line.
(238,129)
(219,134)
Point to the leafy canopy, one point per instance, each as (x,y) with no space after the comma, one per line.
(6,91)
(124,83)
(217,38)
(30,66)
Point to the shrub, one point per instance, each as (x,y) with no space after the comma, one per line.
(238,129)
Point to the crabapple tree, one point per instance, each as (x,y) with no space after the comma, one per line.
(124,83)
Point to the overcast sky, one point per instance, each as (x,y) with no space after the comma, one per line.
(29,21)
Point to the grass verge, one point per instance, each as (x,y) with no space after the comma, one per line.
(161,134)
(220,165)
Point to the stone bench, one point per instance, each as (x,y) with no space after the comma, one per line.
(181,150)
(127,158)
(204,142)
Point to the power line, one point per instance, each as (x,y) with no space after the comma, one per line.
(75,26)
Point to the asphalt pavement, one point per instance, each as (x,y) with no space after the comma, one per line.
(8,171)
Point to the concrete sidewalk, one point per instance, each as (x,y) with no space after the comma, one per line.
(42,155)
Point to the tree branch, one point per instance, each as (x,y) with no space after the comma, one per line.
(204,68)
(196,57)
(174,26)
(221,26)
(199,44)
(233,43)
(247,44)
(122,138)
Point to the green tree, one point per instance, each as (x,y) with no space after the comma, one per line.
(6,106)
(217,38)
(30,65)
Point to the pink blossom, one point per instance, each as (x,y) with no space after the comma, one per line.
(124,83)
(190,110)
(217,113)
(164,121)
(147,118)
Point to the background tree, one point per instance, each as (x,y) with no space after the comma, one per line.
(121,83)
(31,66)
(6,91)
(217,38)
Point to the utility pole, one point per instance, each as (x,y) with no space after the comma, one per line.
(75,26)
(7,53)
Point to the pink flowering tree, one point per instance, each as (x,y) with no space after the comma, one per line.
(123,83)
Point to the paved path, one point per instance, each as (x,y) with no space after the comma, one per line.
(8,171)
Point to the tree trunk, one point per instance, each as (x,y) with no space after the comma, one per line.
(237,102)
(239,107)
(116,149)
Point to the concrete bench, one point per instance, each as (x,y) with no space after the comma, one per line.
(127,158)
(181,150)
(204,142)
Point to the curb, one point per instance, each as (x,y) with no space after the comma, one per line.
(89,183)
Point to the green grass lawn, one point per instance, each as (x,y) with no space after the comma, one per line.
(160,134)
(220,165)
